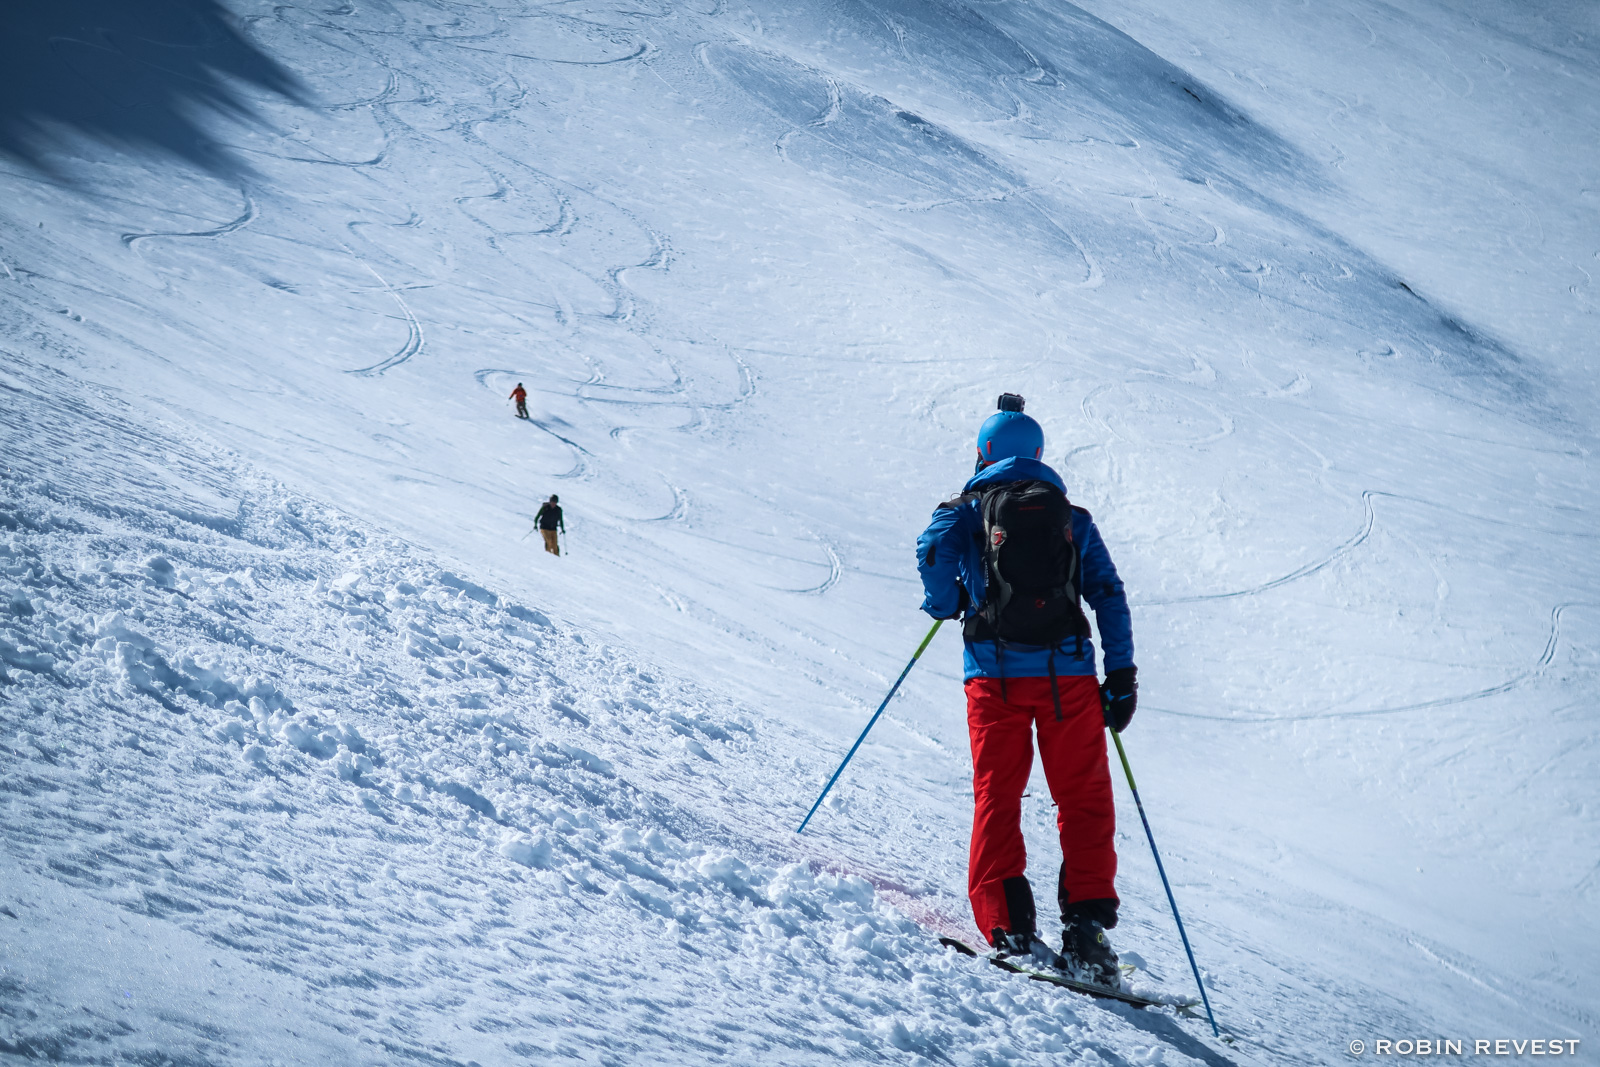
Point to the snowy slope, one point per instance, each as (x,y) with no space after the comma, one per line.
(279,789)
(1301,298)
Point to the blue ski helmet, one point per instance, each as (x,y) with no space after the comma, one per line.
(1009,435)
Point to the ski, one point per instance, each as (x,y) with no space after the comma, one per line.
(1086,988)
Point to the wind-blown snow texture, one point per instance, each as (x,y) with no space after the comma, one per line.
(308,755)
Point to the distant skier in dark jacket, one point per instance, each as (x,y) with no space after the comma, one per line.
(520,395)
(549,521)
(1015,687)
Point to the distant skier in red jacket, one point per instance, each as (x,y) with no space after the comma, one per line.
(520,395)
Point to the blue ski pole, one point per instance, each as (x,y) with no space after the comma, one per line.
(870,722)
(1121,752)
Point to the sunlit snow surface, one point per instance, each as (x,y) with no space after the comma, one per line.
(309,755)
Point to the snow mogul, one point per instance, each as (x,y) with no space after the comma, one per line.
(1012,558)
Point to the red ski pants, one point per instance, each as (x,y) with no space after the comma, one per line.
(1073,751)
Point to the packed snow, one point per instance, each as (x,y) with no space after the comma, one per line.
(310,754)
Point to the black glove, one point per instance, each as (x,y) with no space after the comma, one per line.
(1119,696)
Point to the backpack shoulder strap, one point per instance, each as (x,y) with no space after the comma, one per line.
(959,500)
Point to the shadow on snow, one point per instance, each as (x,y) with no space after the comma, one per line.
(140,74)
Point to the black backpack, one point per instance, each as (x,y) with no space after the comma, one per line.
(1031,568)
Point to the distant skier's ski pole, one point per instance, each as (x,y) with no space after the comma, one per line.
(1122,753)
(532,528)
(870,722)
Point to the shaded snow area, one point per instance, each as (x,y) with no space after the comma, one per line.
(309,753)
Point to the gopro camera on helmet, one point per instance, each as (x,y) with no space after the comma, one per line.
(1010,402)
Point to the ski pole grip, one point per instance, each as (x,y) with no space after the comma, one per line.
(1122,753)
(925,641)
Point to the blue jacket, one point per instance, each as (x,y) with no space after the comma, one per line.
(950,557)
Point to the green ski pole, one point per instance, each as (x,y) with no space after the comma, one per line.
(870,722)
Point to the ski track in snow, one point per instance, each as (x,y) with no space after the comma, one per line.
(1345,548)
(129,240)
(835,571)
(639,54)
(1302,572)
(414,339)
(1515,682)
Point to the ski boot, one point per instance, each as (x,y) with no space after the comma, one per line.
(1025,948)
(1087,954)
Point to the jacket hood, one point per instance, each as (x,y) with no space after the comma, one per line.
(1019,469)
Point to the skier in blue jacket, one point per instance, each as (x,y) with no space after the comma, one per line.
(1015,688)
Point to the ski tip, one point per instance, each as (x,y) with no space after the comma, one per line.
(960,946)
